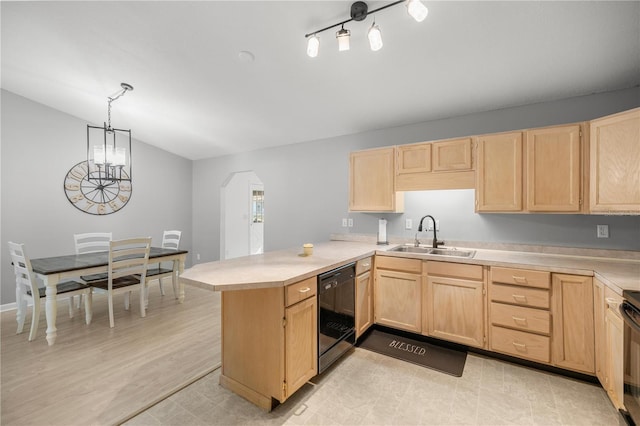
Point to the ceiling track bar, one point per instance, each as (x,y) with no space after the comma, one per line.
(351,19)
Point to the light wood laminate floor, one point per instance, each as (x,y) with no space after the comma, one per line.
(366,388)
(95,375)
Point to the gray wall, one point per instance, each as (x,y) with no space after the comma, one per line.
(306,186)
(39,146)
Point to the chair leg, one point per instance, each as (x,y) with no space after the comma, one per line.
(35,319)
(21,311)
(71,307)
(174,282)
(127,297)
(88,308)
(110,298)
(161,287)
(143,312)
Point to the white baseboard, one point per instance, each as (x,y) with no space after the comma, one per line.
(9,307)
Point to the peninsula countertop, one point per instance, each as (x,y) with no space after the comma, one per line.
(284,267)
(275,268)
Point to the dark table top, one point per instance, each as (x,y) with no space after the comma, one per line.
(74,262)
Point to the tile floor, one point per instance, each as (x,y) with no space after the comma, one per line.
(366,388)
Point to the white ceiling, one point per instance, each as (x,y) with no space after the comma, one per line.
(194,97)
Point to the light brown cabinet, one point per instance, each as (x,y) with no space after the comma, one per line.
(538,170)
(398,286)
(269,341)
(372,181)
(573,344)
(519,313)
(499,173)
(452,155)
(554,172)
(364,296)
(455,303)
(615,163)
(609,337)
(435,165)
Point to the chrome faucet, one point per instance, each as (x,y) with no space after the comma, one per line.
(436,243)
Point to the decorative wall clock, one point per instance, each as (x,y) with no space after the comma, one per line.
(98,196)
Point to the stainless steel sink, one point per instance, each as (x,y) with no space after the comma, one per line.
(452,252)
(435,251)
(412,249)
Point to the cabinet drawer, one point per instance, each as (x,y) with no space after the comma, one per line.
(363,265)
(523,277)
(457,270)
(300,291)
(522,296)
(520,344)
(527,319)
(399,264)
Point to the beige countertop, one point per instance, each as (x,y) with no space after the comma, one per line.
(284,267)
(275,268)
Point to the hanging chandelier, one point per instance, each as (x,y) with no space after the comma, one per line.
(359,11)
(109,149)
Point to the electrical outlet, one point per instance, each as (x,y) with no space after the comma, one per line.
(350,223)
(408,224)
(344,222)
(198,256)
(430,225)
(602,231)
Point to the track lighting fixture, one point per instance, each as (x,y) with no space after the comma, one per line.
(343,39)
(359,11)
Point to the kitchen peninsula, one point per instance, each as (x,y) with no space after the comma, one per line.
(269,306)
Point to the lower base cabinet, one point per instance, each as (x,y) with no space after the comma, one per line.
(269,341)
(398,288)
(455,303)
(572,343)
(364,296)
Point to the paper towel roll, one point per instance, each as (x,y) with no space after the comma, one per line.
(382,231)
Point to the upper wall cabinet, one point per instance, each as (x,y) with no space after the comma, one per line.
(554,176)
(615,163)
(499,173)
(537,170)
(435,165)
(371,181)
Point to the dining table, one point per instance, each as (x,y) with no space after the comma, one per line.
(53,270)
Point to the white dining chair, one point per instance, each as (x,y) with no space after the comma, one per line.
(91,242)
(158,271)
(128,260)
(27,289)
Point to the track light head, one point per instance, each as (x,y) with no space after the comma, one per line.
(359,11)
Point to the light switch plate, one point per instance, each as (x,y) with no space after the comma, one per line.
(344,222)
(350,222)
(430,225)
(602,231)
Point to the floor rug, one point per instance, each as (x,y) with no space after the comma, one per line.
(446,360)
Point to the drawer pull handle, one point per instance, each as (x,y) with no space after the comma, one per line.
(518,319)
(304,290)
(612,303)
(519,297)
(519,345)
(519,279)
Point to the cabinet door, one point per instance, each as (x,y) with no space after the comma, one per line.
(599,331)
(553,169)
(615,163)
(572,312)
(364,303)
(371,181)
(397,300)
(499,173)
(456,310)
(614,349)
(451,155)
(414,158)
(301,344)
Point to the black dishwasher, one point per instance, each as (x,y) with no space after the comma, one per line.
(336,314)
